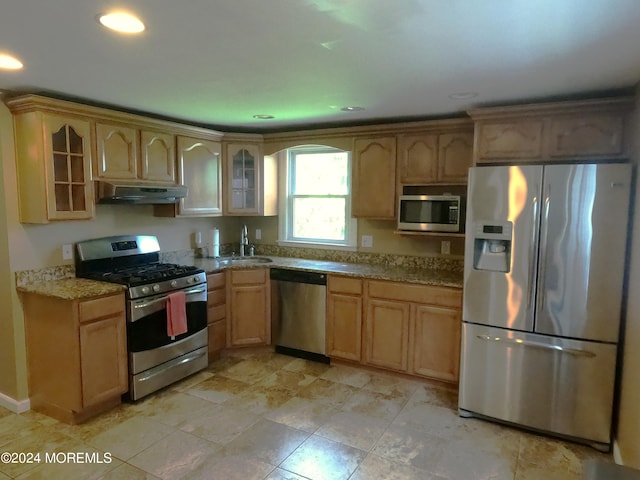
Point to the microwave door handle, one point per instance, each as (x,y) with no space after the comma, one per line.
(164,298)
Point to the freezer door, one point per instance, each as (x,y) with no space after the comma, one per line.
(555,385)
(582,250)
(507,196)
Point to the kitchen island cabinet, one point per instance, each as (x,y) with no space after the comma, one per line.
(76,353)
(248,307)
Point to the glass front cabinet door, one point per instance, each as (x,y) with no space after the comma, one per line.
(244,182)
(54,167)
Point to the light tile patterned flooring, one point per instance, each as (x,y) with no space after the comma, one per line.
(258,415)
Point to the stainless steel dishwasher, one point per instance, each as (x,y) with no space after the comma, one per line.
(298,313)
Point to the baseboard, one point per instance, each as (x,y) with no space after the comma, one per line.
(17,406)
(617,457)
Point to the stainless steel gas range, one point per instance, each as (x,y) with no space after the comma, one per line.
(156,358)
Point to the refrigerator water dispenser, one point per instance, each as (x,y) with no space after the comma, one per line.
(492,246)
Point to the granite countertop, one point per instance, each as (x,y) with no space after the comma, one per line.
(380,272)
(71,288)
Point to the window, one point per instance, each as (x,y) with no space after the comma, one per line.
(317,207)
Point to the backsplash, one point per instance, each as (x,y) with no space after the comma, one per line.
(60,272)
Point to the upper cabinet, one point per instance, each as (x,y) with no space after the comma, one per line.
(374,178)
(124,152)
(580,130)
(157,156)
(428,158)
(117,152)
(250,180)
(53,166)
(200,169)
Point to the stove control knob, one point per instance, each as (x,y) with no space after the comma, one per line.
(174,283)
(156,288)
(195,279)
(145,290)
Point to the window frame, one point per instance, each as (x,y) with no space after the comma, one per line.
(285,203)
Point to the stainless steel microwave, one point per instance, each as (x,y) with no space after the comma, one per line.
(431,213)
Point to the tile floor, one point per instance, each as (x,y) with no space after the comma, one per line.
(259,415)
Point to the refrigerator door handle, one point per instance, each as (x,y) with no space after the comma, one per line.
(533,248)
(544,233)
(544,346)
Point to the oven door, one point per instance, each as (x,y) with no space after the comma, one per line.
(147,319)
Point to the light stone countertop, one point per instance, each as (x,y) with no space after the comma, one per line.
(82,288)
(72,288)
(442,278)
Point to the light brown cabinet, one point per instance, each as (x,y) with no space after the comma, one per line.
(200,170)
(374,178)
(77,354)
(248,307)
(386,335)
(413,328)
(124,152)
(344,318)
(580,130)
(428,158)
(251,182)
(53,160)
(216,313)
(157,156)
(116,152)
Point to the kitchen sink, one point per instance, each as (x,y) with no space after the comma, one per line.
(243,260)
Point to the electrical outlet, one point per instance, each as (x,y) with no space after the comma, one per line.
(258,234)
(67,251)
(445,247)
(367,241)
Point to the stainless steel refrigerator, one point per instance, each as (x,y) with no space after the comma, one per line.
(543,286)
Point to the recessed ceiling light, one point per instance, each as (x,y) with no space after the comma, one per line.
(352,109)
(9,62)
(263,117)
(122,22)
(463,95)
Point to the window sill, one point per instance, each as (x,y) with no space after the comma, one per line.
(319,246)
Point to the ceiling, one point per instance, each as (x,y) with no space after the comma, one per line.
(219,63)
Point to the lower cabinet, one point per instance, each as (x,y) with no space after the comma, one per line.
(216,313)
(77,354)
(249,306)
(344,317)
(413,328)
(436,342)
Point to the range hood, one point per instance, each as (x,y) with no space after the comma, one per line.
(138,193)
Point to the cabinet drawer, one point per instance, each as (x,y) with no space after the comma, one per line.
(247,277)
(215,280)
(216,313)
(216,297)
(345,285)
(101,307)
(431,295)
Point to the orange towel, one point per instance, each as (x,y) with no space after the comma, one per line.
(176,314)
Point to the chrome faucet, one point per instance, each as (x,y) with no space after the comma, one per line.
(244,240)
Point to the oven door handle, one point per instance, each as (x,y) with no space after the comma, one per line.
(164,299)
